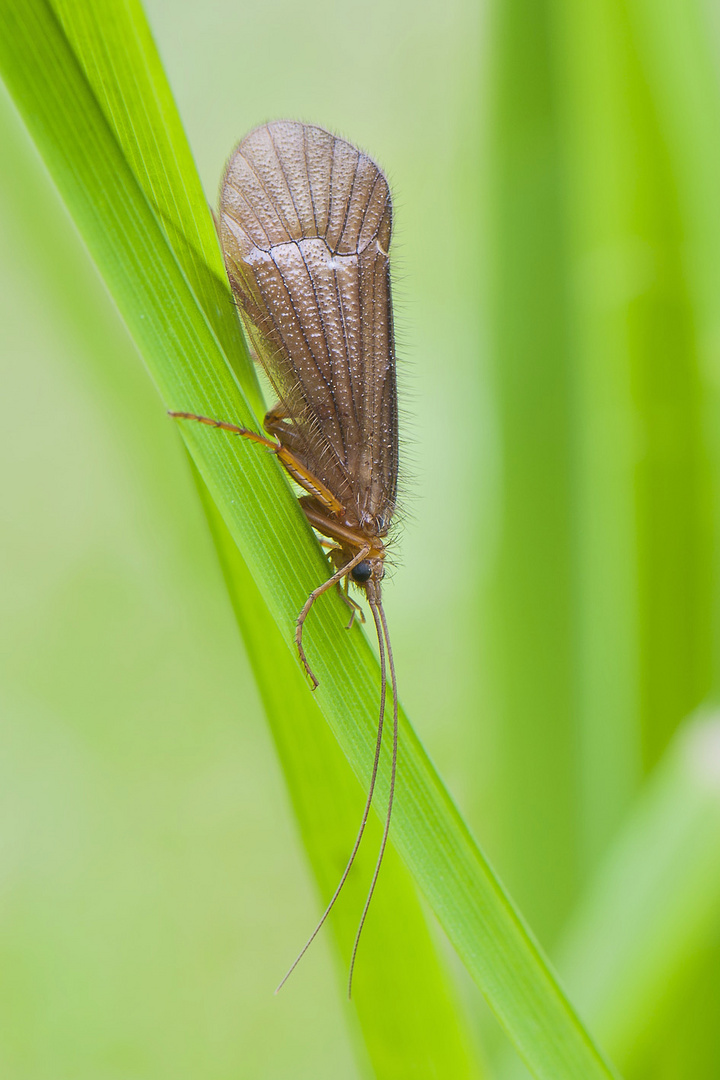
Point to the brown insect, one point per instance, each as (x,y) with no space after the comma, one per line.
(305,226)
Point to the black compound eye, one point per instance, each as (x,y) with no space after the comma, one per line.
(362,572)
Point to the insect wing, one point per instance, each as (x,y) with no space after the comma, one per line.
(305,225)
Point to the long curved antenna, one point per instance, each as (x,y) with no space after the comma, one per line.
(366,812)
(375,606)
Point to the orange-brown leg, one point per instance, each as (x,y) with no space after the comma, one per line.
(293,465)
(274,424)
(356,611)
(225,426)
(337,576)
(329,525)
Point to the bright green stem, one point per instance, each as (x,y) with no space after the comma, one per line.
(532,614)
(644,583)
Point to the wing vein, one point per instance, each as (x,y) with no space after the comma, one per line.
(341,307)
(349,203)
(301,327)
(307,173)
(271,201)
(318,305)
(284,176)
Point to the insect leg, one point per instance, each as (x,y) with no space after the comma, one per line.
(274,424)
(342,587)
(310,483)
(356,610)
(233,428)
(293,465)
(336,553)
(336,577)
(319,493)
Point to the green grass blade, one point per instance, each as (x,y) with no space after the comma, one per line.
(410,1023)
(680,54)
(187,361)
(643,568)
(652,908)
(532,601)
(130,86)
(650,911)
(655,902)
(677,49)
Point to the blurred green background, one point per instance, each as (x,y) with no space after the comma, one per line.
(555,604)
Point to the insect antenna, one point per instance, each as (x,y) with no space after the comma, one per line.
(383,642)
(366,812)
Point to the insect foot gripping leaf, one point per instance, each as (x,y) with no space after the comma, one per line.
(305,225)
